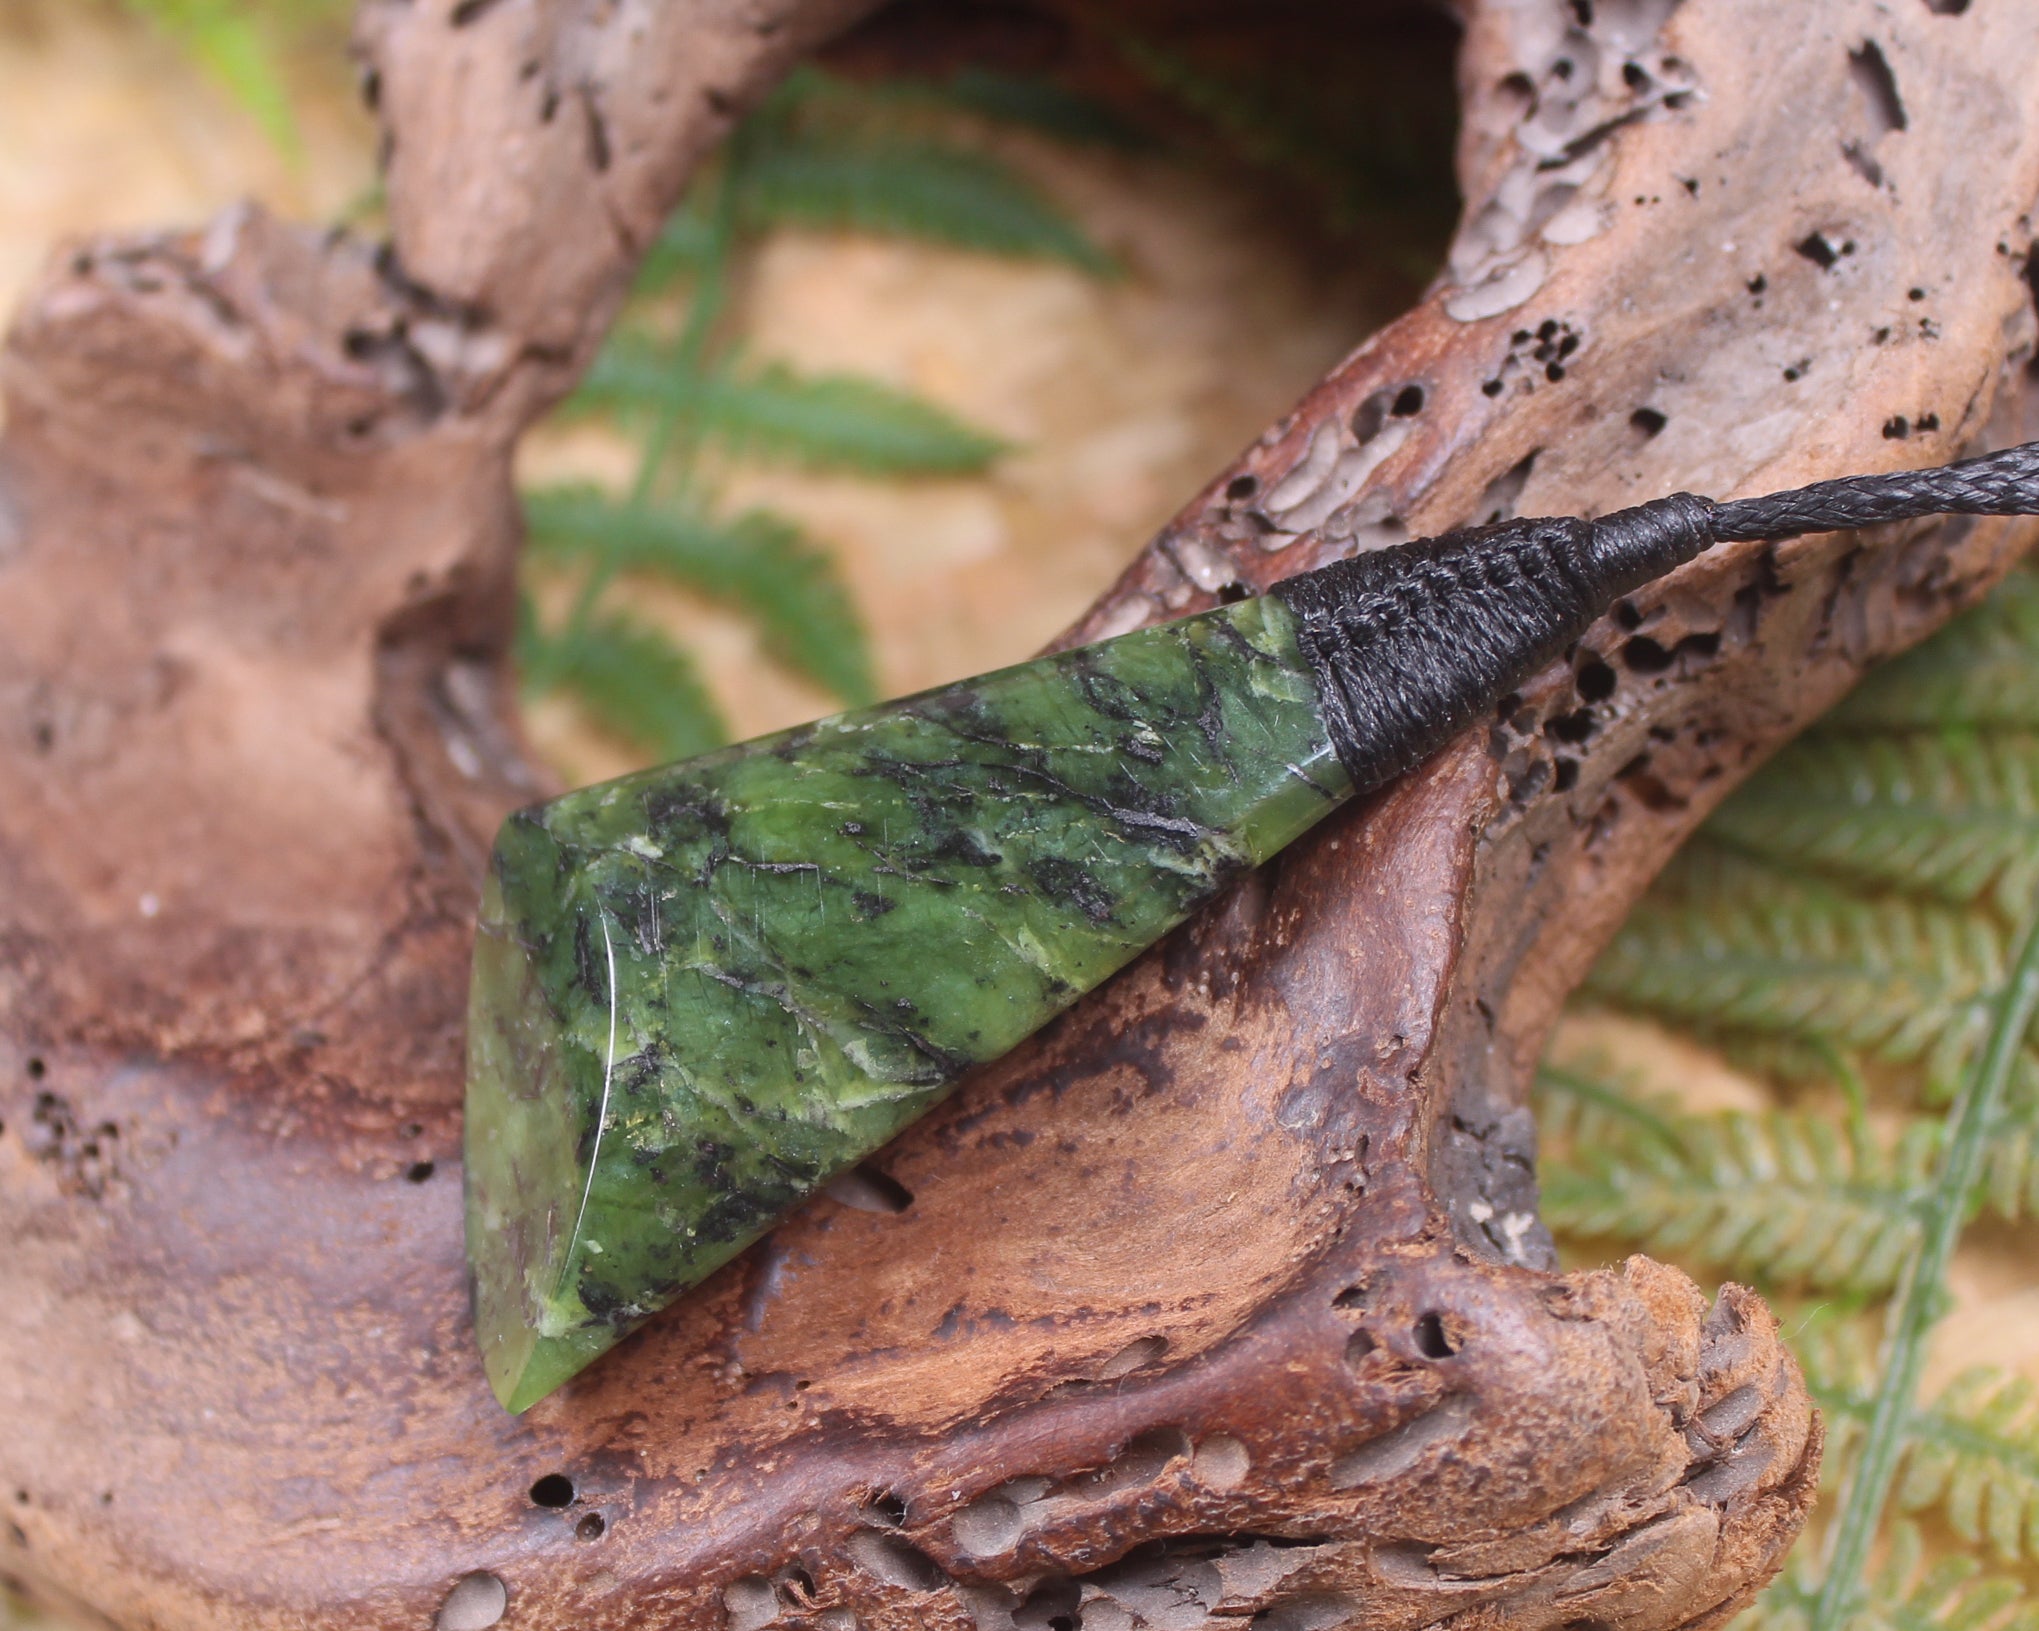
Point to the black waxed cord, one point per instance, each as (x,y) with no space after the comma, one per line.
(1409,644)
(2005,483)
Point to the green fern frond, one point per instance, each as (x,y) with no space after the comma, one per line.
(229,42)
(1949,813)
(631,678)
(829,421)
(2010,1168)
(1975,1458)
(833,102)
(1907,1593)
(1730,942)
(1973,1453)
(1783,1199)
(1981,671)
(1031,102)
(909,188)
(684,247)
(1789,1061)
(757,562)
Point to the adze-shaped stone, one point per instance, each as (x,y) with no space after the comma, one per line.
(702,991)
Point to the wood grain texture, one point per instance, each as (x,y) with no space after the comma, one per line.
(1221,1301)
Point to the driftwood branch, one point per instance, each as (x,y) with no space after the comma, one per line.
(1224,1302)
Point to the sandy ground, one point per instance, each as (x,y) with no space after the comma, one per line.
(1119,399)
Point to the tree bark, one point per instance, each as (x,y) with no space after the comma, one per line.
(1224,1301)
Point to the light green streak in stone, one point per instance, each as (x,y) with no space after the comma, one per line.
(702,991)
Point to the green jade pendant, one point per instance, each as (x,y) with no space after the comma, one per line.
(703,991)
(700,992)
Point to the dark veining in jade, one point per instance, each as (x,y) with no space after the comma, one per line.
(702,991)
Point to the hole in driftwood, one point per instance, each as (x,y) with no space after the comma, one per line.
(896,1562)
(866,1189)
(1409,402)
(554,1490)
(1050,1606)
(1432,1340)
(1821,250)
(476,1602)
(988,1526)
(750,1603)
(1242,487)
(1143,1460)
(37,1070)
(1135,1355)
(887,1510)
(592,1527)
(1222,1462)
(798,1586)
(1596,680)
(419,1171)
(1358,1346)
(1870,70)
(1648,421)
(1370,416)
(1398,1449)
(1574,727)
(1645,656)
(1504,492)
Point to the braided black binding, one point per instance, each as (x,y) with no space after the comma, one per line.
(2005,483)
(1409,645)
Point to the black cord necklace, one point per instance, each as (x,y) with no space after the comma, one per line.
(702,991)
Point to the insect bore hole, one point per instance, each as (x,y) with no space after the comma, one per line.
(1596,680)
(1432,1340)
(419,1172)
(887,1509)
(554,1490)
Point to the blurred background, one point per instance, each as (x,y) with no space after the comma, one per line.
(963,314)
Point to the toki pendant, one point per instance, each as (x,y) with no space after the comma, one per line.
(702,991)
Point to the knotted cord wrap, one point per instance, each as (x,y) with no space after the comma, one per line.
(1410,644)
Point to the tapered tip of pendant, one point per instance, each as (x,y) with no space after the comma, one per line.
(523,1367)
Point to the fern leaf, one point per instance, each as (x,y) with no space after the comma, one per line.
(1730,942)
(1981,671)
(1908,1592)
(909,188)
(684,247)
(2010,1170)
(1041,105)
(830,421)
(1779,1198)
(1953,814)
(1975,1457)
(231,46)
(632,679)
(757,563)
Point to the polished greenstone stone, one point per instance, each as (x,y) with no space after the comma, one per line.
(702,991)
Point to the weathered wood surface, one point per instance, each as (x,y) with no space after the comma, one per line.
(1225,1298)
